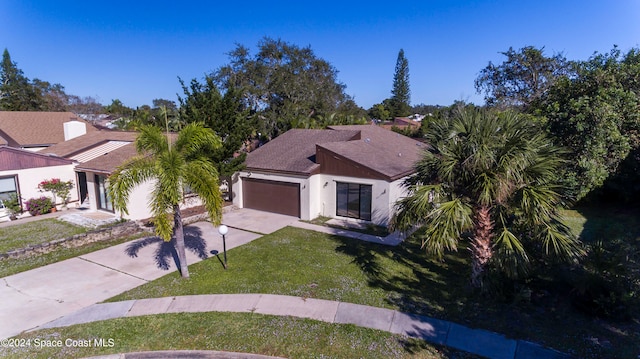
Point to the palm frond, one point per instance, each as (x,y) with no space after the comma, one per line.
(202,178)
(193,139)
(511,255)
(445,225)
(125,178)
(151,140)
(558,240)
(414,209)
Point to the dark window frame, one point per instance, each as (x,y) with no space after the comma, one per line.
(354,207)
(99,205)
(15,182)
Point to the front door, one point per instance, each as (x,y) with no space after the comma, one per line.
(82,186)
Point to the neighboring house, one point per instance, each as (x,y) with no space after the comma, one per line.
(21,171)
(96,156)
(344,171)
(401,123)
(102,121)
(34,131)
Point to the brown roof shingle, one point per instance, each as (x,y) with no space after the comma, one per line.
(294,151)
(382,151)
(88,141)
(31,128)
(108,162)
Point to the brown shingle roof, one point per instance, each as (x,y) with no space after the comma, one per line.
(88,141)
(31,128)
(382,151)
(108,162)
(294,151)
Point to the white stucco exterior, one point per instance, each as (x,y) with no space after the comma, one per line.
(138,205)
(28,180)
(318,194)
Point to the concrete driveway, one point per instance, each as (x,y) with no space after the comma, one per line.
(35,297)
(257,221)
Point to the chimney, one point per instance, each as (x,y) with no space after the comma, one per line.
(73,129)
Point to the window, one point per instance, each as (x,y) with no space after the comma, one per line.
(8,187)
(353,200)
(104,202)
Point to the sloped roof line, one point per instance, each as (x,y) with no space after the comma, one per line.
(99,151)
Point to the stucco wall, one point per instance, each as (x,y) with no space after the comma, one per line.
(28,180)
(318,194)
(396,192)
(379,191)
(138,204)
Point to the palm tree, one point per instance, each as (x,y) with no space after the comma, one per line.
(489,178)
(171,166)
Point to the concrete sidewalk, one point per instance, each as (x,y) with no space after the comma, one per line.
(40,295)
(66,292)
(392,239)
(481,342)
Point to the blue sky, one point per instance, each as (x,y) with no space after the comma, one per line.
(135,50)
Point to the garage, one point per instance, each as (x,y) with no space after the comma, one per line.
(271,196)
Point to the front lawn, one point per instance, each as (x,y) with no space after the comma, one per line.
(309,264)
(236,332)
(29,233)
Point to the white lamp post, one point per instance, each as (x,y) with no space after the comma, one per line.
(223,230)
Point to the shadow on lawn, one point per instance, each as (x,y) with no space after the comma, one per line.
(166,251)
(408,275)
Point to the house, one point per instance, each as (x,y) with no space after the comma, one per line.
(351,171)
(21,171)
(402,123)
(96,155)
(34,131)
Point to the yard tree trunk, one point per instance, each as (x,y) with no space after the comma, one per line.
(481,245)
(178,232)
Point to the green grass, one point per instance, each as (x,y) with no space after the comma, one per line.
(23,235)
(309,264)
(236,332)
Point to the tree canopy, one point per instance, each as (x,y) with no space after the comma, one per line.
(225,114)
(525,76)
(590,107)
(16,91)
(283,83)
(596,114)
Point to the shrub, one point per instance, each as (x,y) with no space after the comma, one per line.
(13,204)
(37,206)
(57,187)
(605,285)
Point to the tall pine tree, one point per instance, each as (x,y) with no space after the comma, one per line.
(16,92)
(401,94)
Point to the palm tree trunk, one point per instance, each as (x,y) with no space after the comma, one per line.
(481,246)
(178,233)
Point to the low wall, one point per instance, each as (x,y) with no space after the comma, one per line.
(99,235)
(78,240)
